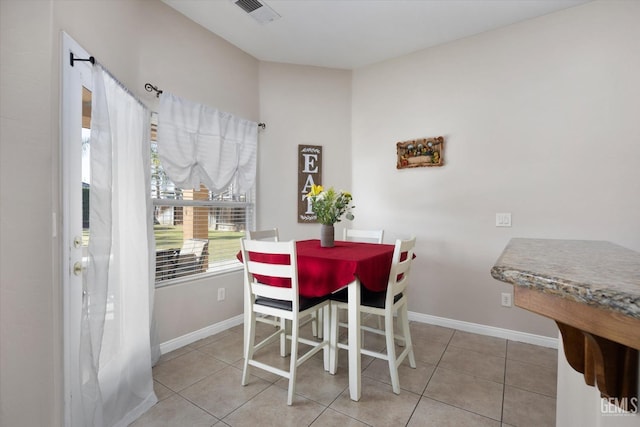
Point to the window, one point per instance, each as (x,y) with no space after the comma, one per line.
(197,232)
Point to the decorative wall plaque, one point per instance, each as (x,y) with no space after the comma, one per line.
(420,152)
(309,173)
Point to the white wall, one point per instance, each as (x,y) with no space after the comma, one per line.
(300,105)
(540,120)
(30,316)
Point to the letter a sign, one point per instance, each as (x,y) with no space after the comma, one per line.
(309,173)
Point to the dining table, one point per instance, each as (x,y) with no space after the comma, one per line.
(324,270)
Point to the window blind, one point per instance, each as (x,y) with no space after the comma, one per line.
(197,232)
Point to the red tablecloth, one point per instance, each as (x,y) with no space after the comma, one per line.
(325,270)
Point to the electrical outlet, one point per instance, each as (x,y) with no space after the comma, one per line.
(503,219)
(506,299)
(221,294)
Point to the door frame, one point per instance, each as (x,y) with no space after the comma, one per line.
(73,78)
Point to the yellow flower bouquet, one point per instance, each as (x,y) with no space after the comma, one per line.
(330,205)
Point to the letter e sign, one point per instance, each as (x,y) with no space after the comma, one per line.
(309,173)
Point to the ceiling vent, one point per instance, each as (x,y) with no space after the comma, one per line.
(258,10)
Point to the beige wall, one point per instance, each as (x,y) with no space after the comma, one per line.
(540,120)
(301,105)
(30,316)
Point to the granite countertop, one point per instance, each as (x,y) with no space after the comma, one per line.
(598,273)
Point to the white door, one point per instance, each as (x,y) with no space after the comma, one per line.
(76,113)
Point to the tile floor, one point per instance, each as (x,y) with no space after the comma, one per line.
(461,379)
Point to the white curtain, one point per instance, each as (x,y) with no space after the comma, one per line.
(199,144)
(117,384)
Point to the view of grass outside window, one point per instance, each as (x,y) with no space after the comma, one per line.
(197,231)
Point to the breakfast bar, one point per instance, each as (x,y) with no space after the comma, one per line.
(591,289)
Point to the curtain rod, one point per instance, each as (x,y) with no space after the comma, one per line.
(151,88)
(93,61)
(148,86)
(73,59)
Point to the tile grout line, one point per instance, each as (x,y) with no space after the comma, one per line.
(504,382)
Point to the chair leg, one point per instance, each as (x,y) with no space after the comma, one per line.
(283,337)
(391,351)
(249,347)
(326,334)
(406,333)
(320,321)
(314,324)
(400,342)
(333,340)
(293,365)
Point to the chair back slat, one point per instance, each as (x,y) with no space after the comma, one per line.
(367,236)
(400,267)
(270,270)
(268,234)
(275,292)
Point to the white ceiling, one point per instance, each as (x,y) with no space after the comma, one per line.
(352,33)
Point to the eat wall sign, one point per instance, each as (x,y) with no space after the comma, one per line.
(309,173)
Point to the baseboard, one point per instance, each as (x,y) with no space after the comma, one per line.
(194,336)
(491,331)
(475,328)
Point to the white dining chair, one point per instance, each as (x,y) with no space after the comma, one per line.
(354,235)
(271,235)
(281,302)
(385,303)
(367,236)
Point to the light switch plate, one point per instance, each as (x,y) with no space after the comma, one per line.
(503,219)
(505,299)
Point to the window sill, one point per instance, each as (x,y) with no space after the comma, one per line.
(212,272)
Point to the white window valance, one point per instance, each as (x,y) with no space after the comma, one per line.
(200,144)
